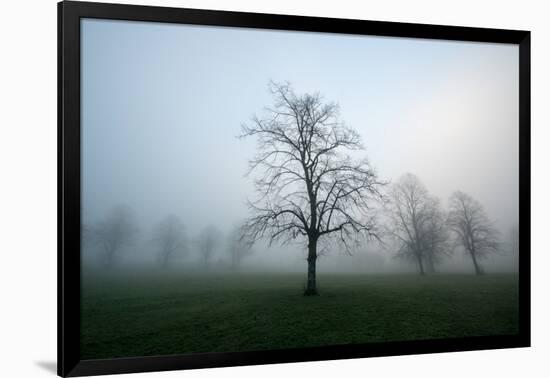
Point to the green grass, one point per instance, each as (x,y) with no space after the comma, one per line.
(125,315)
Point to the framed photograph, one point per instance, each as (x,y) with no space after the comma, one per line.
(239,188)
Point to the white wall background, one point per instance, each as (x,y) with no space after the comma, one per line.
(28,154)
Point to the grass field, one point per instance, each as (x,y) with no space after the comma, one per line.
(125,315)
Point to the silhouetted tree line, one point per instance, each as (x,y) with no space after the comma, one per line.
(168,241)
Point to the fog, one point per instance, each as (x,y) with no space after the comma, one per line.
(162,106)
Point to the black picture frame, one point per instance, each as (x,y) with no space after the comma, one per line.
(69,187)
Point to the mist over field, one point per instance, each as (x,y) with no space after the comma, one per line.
(229,173)
(163,106)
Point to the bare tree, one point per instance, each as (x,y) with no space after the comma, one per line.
(238,247)
(170,237)
(208,240)
(417,223)
(308,188)
(116,231)
(474,231)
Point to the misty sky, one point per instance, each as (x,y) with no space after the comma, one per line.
(162,105)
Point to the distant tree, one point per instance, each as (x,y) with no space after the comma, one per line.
(170,238)
(417,223)
(207,242)
(472,227)
(308,187)
(117,230)
(238,247)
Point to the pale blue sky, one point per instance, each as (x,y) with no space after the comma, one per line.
(162,105)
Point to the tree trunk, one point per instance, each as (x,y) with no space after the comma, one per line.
(311,288)
(420,265)
(476,264)
(430,265)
